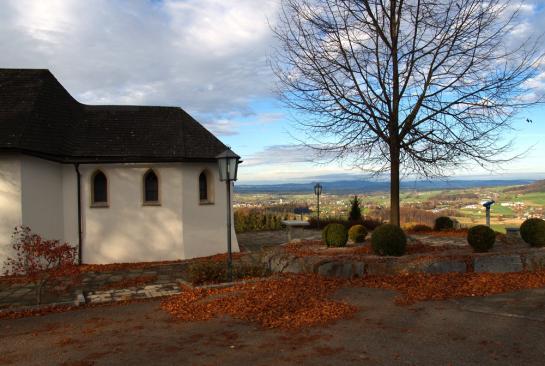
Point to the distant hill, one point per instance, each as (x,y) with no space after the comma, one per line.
(537,186)
(366,186)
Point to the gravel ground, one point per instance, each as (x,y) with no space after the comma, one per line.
(506,329)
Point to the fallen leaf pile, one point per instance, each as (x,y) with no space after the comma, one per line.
(305,248)
(287,301)
(457,233)
(414,287)
(113,267)
(16,314)
(317,248)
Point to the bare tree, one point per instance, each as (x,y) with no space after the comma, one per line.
(424,85)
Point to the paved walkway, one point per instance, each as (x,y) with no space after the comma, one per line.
(496,330)
(255,241)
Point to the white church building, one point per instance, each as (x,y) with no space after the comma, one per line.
(121,183)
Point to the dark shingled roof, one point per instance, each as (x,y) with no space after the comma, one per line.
(39,117)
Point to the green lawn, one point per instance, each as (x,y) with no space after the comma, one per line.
(537,198)
(502,210)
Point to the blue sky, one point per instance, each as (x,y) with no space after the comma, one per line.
(208,57)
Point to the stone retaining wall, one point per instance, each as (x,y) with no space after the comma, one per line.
(348,267)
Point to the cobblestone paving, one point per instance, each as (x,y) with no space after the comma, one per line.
(256,241)
(150,291)
(93,284)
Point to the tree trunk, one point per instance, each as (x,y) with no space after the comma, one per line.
(394,186)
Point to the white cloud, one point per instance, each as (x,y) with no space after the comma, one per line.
(207,56)
(281,154)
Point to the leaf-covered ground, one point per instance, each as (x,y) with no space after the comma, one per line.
(416,287)
(290,301)
(299,301)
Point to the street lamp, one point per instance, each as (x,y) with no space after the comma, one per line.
(318,192)
(228,166)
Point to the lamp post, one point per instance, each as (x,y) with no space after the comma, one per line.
(318,192)
(228,166)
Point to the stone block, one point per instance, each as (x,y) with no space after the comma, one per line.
(339,269)
(280,262)
(498,263)
(295,266)
(379,268)
(535,260)
(358,269)
(446,266)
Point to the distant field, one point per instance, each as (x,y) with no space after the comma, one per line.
(431,200)
(537,198)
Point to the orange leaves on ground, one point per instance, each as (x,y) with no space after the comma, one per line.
(16,314)
(113,267)
(317,248)
(454,233)
(416,287)
(287,301)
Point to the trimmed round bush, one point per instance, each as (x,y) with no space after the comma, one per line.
(336,235)
(357,233)
(481,238)
(443,223)
(532,231)
(324,232)
(388,239)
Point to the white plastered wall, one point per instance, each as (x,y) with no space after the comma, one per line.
(205,225)
(127,230)
(42,197)
(10,202)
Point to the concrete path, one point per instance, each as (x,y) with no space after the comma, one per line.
(505,329)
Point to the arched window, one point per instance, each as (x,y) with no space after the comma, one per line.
(203,187)
(151,187)
(99,183)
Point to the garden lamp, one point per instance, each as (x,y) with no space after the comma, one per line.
(228,167)
(318,192)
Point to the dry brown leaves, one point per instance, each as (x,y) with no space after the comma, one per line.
(16,314)
(317,248)
(305,248)
(416,287)
(287,301)
(121,266)
(456,233)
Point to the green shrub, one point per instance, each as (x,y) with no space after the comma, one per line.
(336,235)
(389,239)
(443,223)
(532,231)
(357,233)
(324,232)
(213,271)
(481,238)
